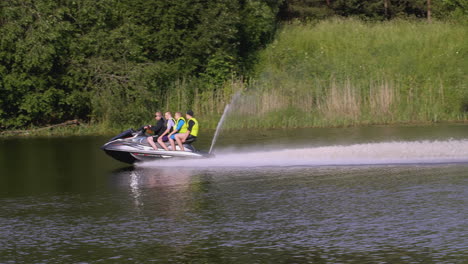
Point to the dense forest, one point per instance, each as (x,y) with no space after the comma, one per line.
(113,62)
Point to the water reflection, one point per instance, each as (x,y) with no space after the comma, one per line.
(341,214)
(323,215)
(62,206)
(135,188)
(152,177)
(168,192)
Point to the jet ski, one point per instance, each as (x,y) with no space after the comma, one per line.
(131,146)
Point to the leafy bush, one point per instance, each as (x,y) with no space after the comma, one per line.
(115,61)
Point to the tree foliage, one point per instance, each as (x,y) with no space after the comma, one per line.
(113,61)
(372,9)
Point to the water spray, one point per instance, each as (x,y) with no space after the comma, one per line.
(221,121)
(377,153)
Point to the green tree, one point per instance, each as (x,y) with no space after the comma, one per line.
(115,60)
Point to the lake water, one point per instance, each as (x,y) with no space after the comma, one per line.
(344,195)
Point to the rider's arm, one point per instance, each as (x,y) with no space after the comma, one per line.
(179,126)
(158,126)
(191,123)
(170,124)
(165,132)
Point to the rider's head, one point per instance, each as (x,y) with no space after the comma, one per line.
(158,115)
(189,114)
(178,115)
(168,115)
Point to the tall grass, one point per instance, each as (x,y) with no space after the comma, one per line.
(348,72)
(333,73)
(207,102)
(336,72)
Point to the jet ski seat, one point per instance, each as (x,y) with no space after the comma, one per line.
(126,133)
(190,141)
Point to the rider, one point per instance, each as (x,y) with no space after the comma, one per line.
(189,132)
(170,124)
(180,125)
(158,129)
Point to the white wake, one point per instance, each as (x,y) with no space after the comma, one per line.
(417,152)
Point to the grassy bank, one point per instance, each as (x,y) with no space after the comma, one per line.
(100,130)
(83,129)
(344,72)
(332,73)
(348,72)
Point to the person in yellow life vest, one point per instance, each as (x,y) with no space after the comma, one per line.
(180,125)
(188,132)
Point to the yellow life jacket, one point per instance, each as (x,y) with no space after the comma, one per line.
(183,129)
(194,131)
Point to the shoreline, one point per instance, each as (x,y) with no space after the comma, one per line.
(85,129)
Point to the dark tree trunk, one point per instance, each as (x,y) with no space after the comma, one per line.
(385,3)
(429,11)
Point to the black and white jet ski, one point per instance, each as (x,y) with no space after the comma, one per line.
(131,146)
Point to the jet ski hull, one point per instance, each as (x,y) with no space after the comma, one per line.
(122,156)
(134,149)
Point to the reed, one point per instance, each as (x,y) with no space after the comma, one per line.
(338,72)
(347,72)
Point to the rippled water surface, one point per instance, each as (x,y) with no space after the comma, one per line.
(356,195)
